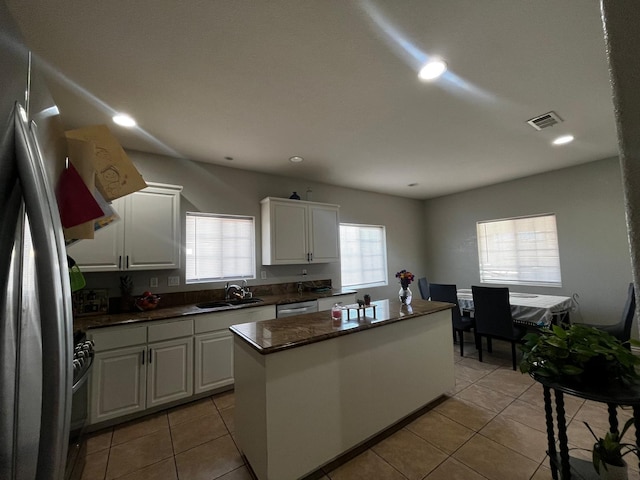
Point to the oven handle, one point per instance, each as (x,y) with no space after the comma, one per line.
(84,377)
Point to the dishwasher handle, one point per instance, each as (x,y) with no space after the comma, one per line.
(296,310)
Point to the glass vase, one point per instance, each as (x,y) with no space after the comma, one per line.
(405,295)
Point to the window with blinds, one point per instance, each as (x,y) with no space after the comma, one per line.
(219,247)
(520,251)
(363,255)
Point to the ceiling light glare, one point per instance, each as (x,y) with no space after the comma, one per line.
(296,159)
(433,69)
(124,120)
(563,140)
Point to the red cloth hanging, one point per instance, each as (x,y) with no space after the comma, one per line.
(75,201)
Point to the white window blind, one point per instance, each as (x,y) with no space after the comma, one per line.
(363,255)
(520,251)
(219,247)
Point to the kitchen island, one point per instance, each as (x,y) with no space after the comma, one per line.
(308,388)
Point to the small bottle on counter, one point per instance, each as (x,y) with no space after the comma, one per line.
(336,313)
(367,300)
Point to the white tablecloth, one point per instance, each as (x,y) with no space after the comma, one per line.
(526,308)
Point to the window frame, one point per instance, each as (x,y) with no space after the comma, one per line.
(384,269)
(252,239)
(520,260)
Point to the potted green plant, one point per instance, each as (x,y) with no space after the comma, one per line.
(608,453)
(578,353)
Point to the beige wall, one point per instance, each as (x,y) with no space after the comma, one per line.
(436,238)
(210,188)
(594,251)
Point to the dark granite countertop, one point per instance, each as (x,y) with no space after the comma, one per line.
(270,336)
(108,320)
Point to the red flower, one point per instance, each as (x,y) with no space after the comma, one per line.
(405,277)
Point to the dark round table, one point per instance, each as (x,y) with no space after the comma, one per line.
(613,394)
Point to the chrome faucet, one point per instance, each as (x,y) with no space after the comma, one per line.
(245,289)
(233,292)
(236,292)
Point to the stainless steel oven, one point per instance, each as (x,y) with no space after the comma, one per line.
(82,362)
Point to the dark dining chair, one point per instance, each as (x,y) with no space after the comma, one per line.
(622,329)
(492,313)
(441,292)
(423,285)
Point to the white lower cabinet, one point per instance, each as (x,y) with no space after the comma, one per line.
(140,367)
(214,361)
(118,383)
(214,344)
(136,368)
(169,371)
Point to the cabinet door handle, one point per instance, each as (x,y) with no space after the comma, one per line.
(150,357)
(127,261)
(119,262)
(142,357)
(311,257)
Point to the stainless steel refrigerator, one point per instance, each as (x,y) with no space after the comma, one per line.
(36,340)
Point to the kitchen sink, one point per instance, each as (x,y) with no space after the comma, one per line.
(213,304)
(244,301)
(229,303)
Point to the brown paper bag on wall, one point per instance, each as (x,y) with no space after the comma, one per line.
(116,176)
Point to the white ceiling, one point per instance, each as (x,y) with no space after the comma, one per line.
(335,81)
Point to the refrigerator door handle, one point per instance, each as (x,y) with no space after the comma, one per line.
(11,208)
(54,298)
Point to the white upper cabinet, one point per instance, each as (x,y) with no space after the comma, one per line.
(295,231)
(146,238)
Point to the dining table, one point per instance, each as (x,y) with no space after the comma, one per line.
(529,309)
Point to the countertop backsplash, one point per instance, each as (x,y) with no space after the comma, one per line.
(175,299)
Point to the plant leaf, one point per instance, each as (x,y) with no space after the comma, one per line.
(571,370)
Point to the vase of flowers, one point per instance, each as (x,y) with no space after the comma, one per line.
(404,294)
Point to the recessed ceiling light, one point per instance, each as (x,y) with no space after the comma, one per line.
(432,69)
(563,140)
(296,159)
(124,120)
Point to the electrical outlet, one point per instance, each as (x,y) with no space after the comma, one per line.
(304,271)
(263,274)
(153,282)
(174,281)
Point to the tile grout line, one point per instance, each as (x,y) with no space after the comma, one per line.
(478,432)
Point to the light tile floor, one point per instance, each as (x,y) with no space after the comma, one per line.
(490,426)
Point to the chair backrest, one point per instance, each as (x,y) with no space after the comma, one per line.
(627,315)
(423,285)
(492,311)
(442,292)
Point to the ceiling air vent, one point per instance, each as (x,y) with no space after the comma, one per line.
(546,120)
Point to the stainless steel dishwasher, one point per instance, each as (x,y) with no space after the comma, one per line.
(297,308)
